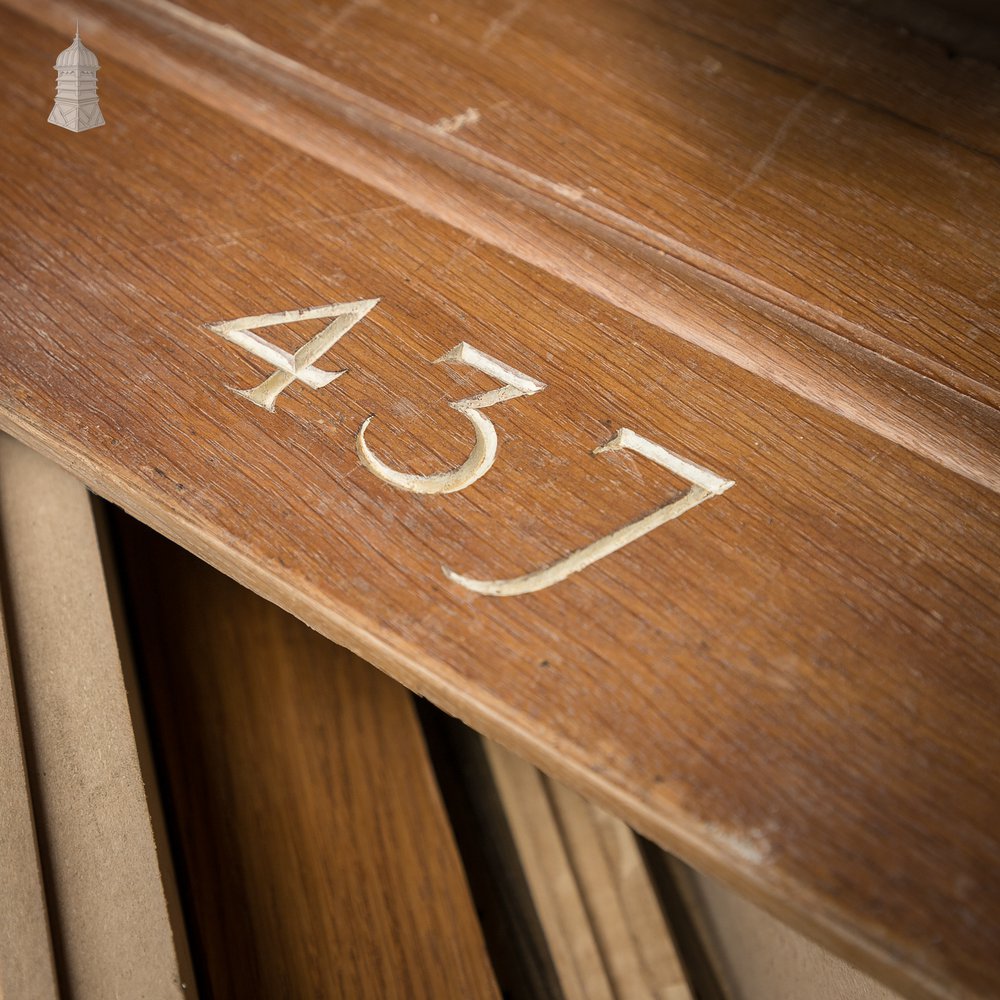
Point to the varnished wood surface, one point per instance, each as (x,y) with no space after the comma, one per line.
(847,367)
(792,685)
(313,846)
(723,149)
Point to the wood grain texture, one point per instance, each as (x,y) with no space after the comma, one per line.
(792,685)
(729,151)
(594,898)
(937,411)
(317,857)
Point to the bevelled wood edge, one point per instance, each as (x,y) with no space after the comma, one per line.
(785,898)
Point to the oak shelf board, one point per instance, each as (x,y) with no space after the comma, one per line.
(854,371)
(317,853)
(835,204)
(792,685)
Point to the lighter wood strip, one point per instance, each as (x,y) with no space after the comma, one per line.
(598,909)
(554,889)
(624,910)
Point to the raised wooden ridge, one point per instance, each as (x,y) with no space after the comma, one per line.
(793,684)
(899,390)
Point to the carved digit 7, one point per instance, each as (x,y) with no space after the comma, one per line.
(705,484)
(484,450)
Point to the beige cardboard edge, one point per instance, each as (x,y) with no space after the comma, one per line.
(111,927)
(27,962)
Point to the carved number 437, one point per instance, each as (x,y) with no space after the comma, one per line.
(300,367)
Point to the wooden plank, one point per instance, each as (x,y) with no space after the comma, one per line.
(932,409)
(318,860)
(634,936)
(107,908)
(27,961)
(747,685)
(596,903)
(557,895)
(803,184)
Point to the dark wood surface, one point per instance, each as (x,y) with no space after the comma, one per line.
(314,851)
(792,685)
(723,133)
(854,369)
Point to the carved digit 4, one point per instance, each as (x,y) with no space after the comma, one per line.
(705,484)
(297,366)
(484,450)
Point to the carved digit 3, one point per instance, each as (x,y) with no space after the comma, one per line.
(705,484)
(484,451)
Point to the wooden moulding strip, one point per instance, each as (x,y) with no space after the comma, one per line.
(596,903)
(938,415)
(111,928)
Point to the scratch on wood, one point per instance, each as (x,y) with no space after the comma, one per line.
(279,164)
(349,9)
(449,125)
(761,163)
(499,26)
